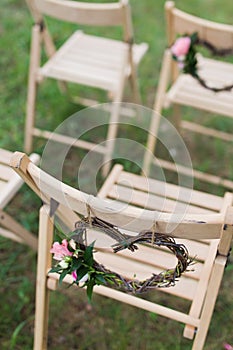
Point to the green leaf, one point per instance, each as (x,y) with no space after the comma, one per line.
(82,272)
(194,37)
(60,233)
(62,276)
(88,255)
(99,279)
(76,263)
(90,286)
(55,269)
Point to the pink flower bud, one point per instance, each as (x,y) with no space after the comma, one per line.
(82,280)
(74,275)
(60,250)
(227,346)
(181,46)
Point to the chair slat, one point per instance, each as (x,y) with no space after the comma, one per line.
(5,156)
(10,235)
(88,60)
(184,289)
(157,259)
(151,201)
(6,173)
(2,184)
(198,198)
(196,97)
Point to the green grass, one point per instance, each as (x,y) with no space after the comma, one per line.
(106,324)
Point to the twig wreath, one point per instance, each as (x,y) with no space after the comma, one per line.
(76,258)
(184,51)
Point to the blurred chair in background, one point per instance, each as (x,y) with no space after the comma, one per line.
(84,59)
(207,85)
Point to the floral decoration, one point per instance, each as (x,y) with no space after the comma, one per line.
(184,52)
(180,49)
(76,258)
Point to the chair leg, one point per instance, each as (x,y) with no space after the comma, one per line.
(200,294)
(111,135)
(163,83)
(208,308)
(151,142)
(135,88)
(42,292)
(32,87)
(133,78)
(176,112)
(114,119)
(158,106)
(30,119)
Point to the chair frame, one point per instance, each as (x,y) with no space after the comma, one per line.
(217,34)
(72,202)
(10,184)
(111,14)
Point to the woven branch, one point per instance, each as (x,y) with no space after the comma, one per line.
(163,279)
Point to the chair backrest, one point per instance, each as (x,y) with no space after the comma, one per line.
(84,13)
(180,22)
(71,201)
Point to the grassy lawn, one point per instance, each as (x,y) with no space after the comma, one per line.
(106,324)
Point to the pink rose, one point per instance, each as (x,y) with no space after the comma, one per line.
(181,46)
(60,250)
(227,346)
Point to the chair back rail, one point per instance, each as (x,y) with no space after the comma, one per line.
(191,226)
(180,22)
(91,14)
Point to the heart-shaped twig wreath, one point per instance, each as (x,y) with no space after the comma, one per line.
(76,258)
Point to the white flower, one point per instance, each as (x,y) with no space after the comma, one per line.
(84,278)
(63,264)
(72,243)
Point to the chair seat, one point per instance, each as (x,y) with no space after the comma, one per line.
(199,202)
(131,188)
(10,182)
(146,261)
(187,90)
(91,60)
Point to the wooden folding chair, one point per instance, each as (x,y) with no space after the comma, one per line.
(131,202)
(177,89)
(10,183)
(84,59)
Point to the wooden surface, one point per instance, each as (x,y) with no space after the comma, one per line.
(10,183)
